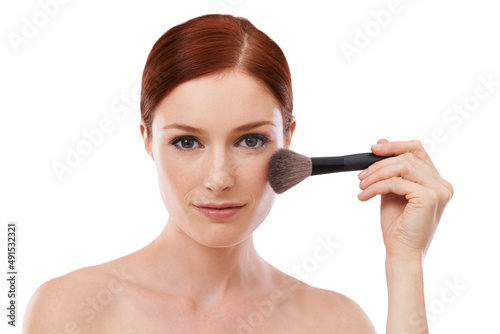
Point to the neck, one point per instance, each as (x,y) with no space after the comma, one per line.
(207,274)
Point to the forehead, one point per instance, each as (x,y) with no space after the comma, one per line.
(224,100)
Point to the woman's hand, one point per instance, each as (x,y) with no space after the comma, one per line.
(413,196)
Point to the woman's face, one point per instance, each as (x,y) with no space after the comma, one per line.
(212,141)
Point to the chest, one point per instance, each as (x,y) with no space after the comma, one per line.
(151,314)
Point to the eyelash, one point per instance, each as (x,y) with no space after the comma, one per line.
(177,140)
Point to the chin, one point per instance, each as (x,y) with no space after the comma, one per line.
(222,233)
(219,235)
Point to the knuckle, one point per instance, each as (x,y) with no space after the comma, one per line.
(393,180)
(408,159)
(432,196)
(412,160)
(450,189)
(445,195)
(407,156)
(417,143)
(405,167)
(420,150)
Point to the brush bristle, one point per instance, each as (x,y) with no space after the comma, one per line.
(286,169)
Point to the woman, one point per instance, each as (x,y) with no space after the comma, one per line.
(216,103)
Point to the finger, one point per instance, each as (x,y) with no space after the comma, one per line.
(398,186)
(406,166)
(415,147)
(409,167)
(386,148)
(382,141)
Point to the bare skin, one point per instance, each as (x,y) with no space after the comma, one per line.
(141,302)
(202,274)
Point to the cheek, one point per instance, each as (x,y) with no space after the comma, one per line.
(254,179)
(176,178)
(253,174)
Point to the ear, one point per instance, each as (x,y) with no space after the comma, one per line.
(288,135)
(146,139)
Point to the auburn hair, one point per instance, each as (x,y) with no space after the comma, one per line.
(209,44)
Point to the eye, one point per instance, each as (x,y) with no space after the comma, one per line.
(253,141)
(185,143)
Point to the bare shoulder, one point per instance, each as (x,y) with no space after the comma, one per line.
(332,312)
(69,303)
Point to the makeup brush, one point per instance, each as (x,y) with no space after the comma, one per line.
(288,168)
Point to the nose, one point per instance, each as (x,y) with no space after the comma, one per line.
(219,176)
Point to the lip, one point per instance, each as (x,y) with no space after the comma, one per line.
(219,211)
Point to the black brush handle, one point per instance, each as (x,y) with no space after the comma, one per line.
(346,163)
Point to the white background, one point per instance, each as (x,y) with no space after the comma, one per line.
(78,68)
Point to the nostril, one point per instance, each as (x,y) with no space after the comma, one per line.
(218,181)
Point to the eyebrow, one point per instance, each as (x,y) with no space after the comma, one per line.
(241,128)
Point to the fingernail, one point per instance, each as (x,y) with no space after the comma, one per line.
(363,172)
(377,146)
